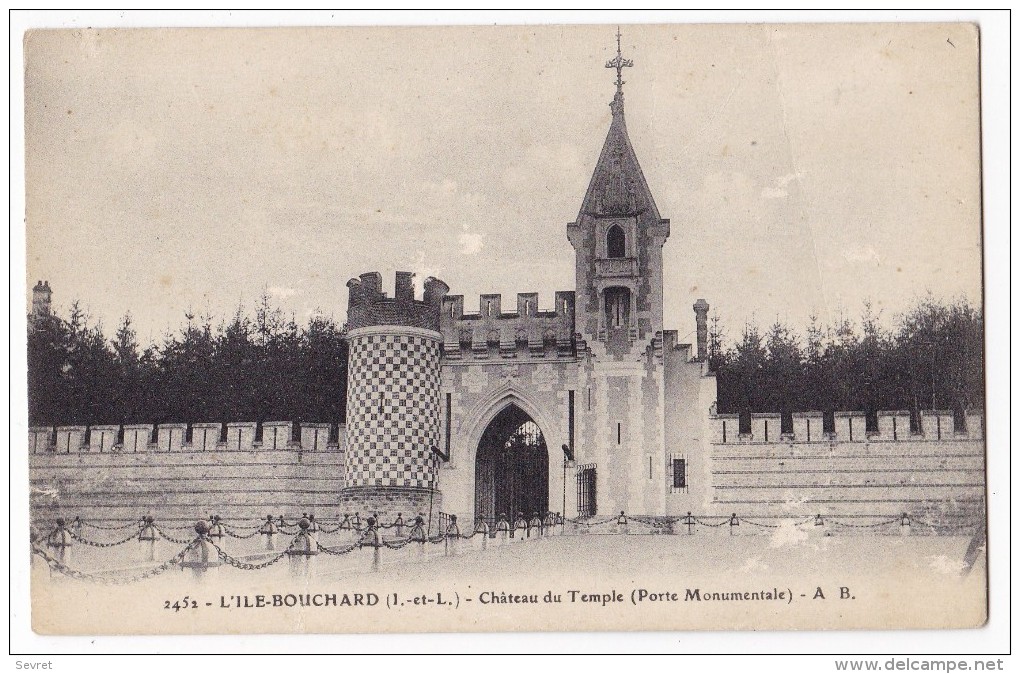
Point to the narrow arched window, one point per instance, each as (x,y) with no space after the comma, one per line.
(616,242)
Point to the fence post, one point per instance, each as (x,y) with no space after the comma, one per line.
(482,529)
(689,521)
(147,536)
(269,529)
(148,530)
(371,539)
(621,524)
(535,525)
(418,534)
(520,524)
(734,523)
(304,543)
(905,525)
(203,555)
(60,537)
(452,534)
(502,529)
(216,528)
(820,527)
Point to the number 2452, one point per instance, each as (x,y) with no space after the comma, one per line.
(186,602)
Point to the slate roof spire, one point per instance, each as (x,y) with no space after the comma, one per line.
(618,186)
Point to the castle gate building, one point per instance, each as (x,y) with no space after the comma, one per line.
(589,409)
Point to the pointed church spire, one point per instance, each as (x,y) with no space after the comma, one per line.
(619,63)
(617,185)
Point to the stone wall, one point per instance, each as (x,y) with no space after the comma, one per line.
(495,334)
(390,502)
(937,475)
(176,480)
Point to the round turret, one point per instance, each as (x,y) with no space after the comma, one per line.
(393,399)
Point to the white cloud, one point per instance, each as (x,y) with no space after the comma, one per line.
(779,190)
(281,292)
(788,178)
(868,254)
(471,243)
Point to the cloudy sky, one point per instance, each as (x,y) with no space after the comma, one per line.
(805,169)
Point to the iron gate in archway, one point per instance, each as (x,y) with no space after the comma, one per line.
(511,469)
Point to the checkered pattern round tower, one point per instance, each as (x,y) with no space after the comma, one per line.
(393,400)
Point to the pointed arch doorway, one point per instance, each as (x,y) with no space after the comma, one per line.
(511,468)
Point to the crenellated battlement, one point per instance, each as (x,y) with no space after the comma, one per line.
(243,436)
(493,333)
(369,305)
(846,426)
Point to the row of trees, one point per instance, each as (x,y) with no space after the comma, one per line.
(932,358)
(266,367)
(261,368)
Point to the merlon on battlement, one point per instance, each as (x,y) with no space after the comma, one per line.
(182,437)
(369,305)
(492,332)
(846,426)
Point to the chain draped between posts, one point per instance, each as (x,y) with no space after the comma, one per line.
(172,539)
(368,534)
(866,526)
(74,528)
(98,544)
(703,523)
(248,566)
(101,527)
(337,552)
(234,534)
(592,524)
(60,567)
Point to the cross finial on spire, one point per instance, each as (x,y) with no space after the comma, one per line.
(619,63)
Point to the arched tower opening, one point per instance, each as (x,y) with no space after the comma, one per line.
(616,242)
(511,468)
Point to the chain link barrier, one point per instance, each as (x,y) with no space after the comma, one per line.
(588,524)
(346,524)
(703,523)
(865,526)
(654,522)
(337,552)
(119,527)
(62,568)
(323,530)
(242,537)
(761,525)
(99,544)
(172,539)
(397,545)
(247,566)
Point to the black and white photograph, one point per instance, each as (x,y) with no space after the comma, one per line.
(503,328)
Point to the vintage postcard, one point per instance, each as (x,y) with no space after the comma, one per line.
(571,328)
